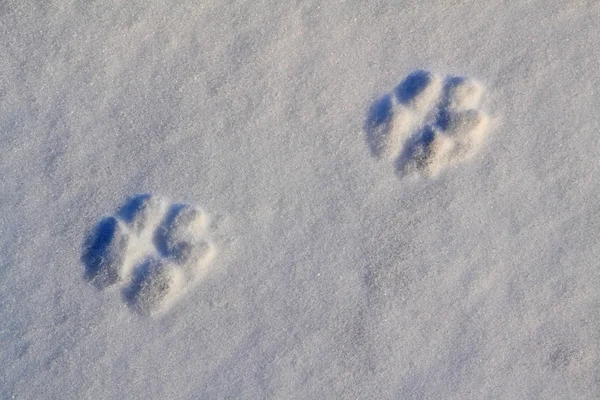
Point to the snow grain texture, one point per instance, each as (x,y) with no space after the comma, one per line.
(153,250)
(427,124)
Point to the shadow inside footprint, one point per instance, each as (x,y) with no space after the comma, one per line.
(377,125)
(132,207)
(174,237)
(417,153)
(104,252)
(139,212)
(151,285)
(163,239)
(412,86)
(444,113)
(427,123)
(152,250)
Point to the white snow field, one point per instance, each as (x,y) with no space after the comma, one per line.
(379,199)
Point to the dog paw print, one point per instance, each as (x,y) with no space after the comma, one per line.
(152,250)
(427,123)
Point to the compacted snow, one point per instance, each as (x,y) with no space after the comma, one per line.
(305,199)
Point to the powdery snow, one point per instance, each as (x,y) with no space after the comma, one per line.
(452,256)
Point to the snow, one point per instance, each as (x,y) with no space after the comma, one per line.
(334,275)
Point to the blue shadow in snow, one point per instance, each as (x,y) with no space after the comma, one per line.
(132,207)
(140,274)
(412,86)
(379,116)
(417,150)
(96,247)
(163,233)
(443,116)
(378,122)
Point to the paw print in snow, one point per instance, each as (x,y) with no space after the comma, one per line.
(427,123)
(153,250)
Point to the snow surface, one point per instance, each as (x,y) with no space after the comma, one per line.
(335,276)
